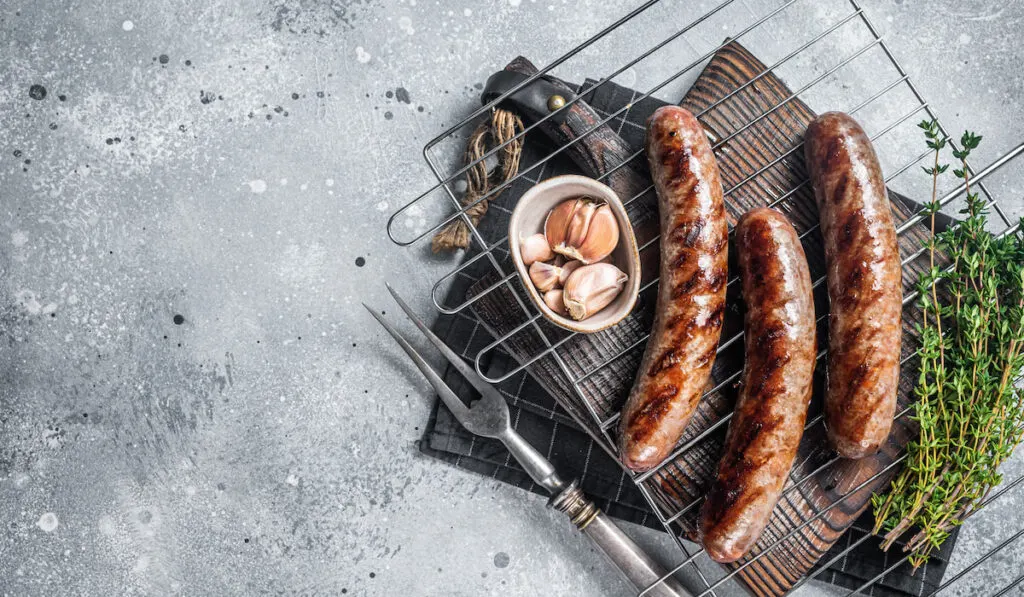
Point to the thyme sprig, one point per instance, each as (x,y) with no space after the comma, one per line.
(970,412)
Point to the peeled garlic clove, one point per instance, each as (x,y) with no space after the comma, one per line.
(535,248)
(544,275)
(568,269)
(553,299)
(592,288)
(582,229)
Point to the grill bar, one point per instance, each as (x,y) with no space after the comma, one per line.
(679,543)
(1006,590)
(640,478)
(853,545)
(975,564)
(774,203)
(562,148)
(920,98)
(541,72)
(637,154)
(902,228)
(819,418)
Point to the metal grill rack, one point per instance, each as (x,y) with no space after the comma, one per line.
(839,47)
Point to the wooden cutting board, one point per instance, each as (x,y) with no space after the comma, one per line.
(824,495)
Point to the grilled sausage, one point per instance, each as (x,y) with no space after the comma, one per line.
(781,347)
(691,294)
(864,284)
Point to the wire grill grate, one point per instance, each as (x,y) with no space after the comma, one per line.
(891,106)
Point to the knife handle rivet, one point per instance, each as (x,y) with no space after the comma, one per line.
(555,102)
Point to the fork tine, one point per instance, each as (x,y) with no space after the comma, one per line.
(485,389)
(458,408)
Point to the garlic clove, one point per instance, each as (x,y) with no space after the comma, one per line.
(556,224)
(582,229)
(535,248)
(580,224)
(544,275)
(568,269)
(602,236)
(553,299)
(591,288)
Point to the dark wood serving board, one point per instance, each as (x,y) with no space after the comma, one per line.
(820,502)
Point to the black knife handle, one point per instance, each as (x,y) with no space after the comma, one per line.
(595,148)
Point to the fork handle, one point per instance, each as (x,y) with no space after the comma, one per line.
(635,564)
(533,462)
(631,560)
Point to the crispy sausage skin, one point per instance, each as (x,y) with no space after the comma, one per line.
(766,427)
(691,293)
(864,284)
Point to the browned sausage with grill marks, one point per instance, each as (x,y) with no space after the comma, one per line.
(864,284)
(691,293)
(766,427)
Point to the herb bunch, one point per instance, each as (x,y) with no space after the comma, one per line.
(970,412)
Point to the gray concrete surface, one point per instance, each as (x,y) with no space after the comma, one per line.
(193,401)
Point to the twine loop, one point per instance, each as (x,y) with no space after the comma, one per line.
(499,130)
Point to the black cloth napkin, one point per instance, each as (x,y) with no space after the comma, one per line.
(541,421)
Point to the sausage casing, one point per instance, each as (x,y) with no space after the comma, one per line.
(771,410)
(864,277)
(691,294)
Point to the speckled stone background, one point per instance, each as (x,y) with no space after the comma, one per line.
(193,198)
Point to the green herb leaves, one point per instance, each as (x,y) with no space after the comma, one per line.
(970,413)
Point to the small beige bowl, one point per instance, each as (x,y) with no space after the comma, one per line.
(528,218)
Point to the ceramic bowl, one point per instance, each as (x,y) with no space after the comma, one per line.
(528,218)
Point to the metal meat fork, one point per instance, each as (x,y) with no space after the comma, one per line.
(489,417)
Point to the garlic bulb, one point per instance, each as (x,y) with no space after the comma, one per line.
(591,288)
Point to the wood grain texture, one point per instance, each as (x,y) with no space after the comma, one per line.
(817,506)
